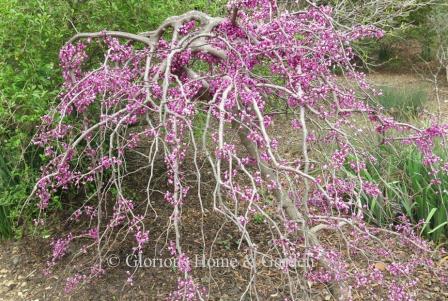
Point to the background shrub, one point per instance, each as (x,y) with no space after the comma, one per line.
(31,34)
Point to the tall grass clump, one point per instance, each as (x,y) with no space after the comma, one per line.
(403,103)
(5,210)
(408,187)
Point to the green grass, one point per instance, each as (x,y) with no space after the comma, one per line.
(5,222)
(5,209)
(403,103)
(406,185)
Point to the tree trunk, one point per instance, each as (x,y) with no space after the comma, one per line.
(340,290)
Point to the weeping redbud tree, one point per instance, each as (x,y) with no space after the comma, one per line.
(122,89)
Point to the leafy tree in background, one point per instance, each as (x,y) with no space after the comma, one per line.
(439,28)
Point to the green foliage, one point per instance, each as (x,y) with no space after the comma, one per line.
(199,123)
(31,34)
(409,38)
(407,188)
(403,103)
(258,218)
(385,52)
(430,201)
(5,212)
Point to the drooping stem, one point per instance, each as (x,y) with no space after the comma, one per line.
(339,289)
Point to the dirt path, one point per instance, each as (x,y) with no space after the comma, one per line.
(21,270)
